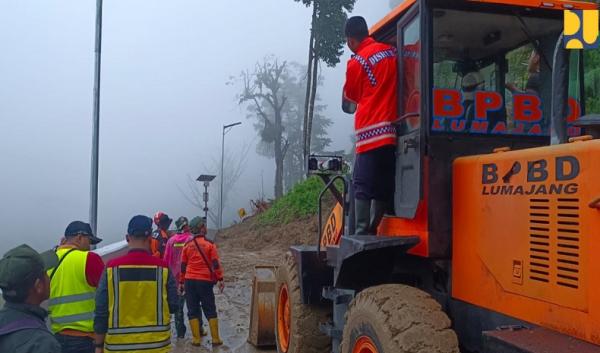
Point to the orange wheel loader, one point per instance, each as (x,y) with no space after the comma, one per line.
(494,243)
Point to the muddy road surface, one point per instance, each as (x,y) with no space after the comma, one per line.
(241,248)
(233,304)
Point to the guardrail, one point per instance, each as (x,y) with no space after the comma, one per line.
(113,250)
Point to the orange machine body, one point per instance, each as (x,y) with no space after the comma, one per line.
(525,237)
(391,18)
(419,225)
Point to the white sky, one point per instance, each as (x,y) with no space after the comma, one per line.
(164,99)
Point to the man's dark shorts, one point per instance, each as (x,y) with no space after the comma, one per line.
(374,174)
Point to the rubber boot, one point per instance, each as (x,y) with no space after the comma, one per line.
(196,329)
(379,208)
(363,216)
(214,332)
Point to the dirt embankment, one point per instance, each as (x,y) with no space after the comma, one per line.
(242,247)
(251,236)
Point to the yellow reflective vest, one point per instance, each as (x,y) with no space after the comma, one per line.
(72,299)
(138,319)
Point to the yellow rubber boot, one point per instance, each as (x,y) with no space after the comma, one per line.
(214,332)
(195,326)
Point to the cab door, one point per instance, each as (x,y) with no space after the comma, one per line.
(409,152)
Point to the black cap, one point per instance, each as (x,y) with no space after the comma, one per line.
(81,228)
(356,27)
(140,226)
(18,264)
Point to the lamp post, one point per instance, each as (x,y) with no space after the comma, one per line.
(226,129)
(96,121)
(206,179)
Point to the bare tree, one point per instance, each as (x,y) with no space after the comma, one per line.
(262,90)
(234,165)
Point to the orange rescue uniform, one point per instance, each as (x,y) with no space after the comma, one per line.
(371,83)
(195,266)
(158,243)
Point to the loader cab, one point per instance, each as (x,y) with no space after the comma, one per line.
(474,76)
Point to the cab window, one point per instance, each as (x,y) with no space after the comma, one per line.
(410,76)
(492,73)
(591,62)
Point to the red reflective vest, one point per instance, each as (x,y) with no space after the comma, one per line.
(372,82)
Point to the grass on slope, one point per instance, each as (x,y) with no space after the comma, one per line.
(301,201)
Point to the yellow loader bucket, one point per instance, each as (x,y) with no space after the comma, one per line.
(262,311)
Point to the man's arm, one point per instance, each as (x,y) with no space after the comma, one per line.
(354,79)
(101,313)
(216,262)
(154,246)
(94,267)
(216,265)
(181,279)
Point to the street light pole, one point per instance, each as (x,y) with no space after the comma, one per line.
(206,179)
(226,128)
(96,121)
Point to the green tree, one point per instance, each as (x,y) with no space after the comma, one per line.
(326,44)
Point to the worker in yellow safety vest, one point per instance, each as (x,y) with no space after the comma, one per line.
(135,298)
(73,283)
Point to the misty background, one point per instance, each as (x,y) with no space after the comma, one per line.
(164,99)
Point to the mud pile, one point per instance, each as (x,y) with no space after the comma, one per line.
(249,235)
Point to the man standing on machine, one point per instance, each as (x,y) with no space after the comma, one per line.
(371,83)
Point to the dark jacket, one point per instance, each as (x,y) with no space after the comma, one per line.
(35,338)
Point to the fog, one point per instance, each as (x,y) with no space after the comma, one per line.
(164,98)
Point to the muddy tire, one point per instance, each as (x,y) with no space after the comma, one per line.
(395,318)
(297,324)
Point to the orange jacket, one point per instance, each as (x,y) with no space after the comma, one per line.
(372,83)
(193,265)
(158,242)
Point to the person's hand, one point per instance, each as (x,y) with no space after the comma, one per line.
(511,86)
(180,289)
(221,285)
(99,350)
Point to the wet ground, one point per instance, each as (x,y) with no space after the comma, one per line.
(234,304)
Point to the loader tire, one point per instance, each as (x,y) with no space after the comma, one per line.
(395,318)
(297,324)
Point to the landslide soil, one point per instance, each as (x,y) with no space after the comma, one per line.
(242,247)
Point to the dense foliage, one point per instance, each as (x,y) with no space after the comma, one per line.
(301,201)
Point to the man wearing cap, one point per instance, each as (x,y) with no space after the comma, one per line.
(135,298)
(25,285)
(172,257)
(201,270)
(161,235)
(73,285)
(371,83)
